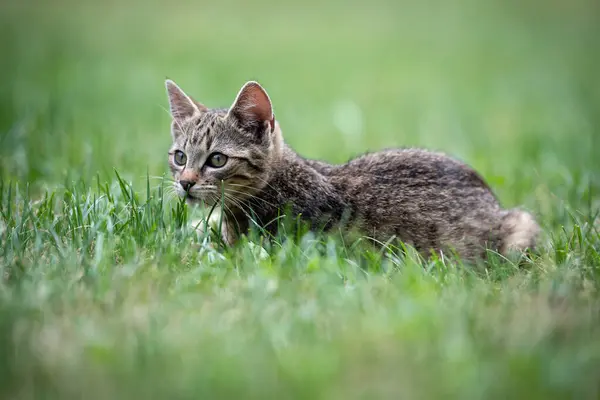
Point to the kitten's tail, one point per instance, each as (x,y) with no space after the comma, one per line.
(518,231)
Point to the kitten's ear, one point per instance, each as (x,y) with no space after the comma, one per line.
(182,106)
(252,107)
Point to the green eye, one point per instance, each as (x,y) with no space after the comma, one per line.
(216,160)
(180,158)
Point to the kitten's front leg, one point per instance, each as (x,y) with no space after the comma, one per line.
(217,222)
(228,233)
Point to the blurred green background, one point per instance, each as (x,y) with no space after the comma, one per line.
(511,87)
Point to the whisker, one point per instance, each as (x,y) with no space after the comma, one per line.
(239,227)
(170,193)
(269,185)
(183,131)
(166,178)
(241,207)
(250,196)
(157,187)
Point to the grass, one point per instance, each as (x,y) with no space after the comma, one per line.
(107,292)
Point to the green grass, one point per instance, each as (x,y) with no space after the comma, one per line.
(107,292)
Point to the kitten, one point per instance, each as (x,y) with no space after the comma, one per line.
(425,199)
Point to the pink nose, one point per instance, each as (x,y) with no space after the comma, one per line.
(188,175)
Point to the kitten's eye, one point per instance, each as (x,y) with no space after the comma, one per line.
(180,158)
(216,160)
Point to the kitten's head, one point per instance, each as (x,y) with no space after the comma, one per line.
(217,151)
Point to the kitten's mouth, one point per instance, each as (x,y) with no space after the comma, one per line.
(193,199)
(206,196)
(204,199)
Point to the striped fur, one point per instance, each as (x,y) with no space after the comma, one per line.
(426,199)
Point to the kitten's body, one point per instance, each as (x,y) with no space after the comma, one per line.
(425,199)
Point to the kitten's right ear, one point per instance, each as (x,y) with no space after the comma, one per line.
(252,107)
(182,106)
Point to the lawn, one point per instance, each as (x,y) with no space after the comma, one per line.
(107,292)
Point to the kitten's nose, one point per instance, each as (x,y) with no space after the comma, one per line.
(187,185)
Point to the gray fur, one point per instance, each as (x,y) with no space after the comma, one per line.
(426,199)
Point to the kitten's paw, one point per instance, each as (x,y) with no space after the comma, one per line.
(211,226)
(258,251)
(199,225)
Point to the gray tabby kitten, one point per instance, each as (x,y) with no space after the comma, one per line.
(425,199)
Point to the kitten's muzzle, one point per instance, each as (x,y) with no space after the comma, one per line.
(195,192)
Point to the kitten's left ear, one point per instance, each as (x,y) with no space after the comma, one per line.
(182,106)
(252,107)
